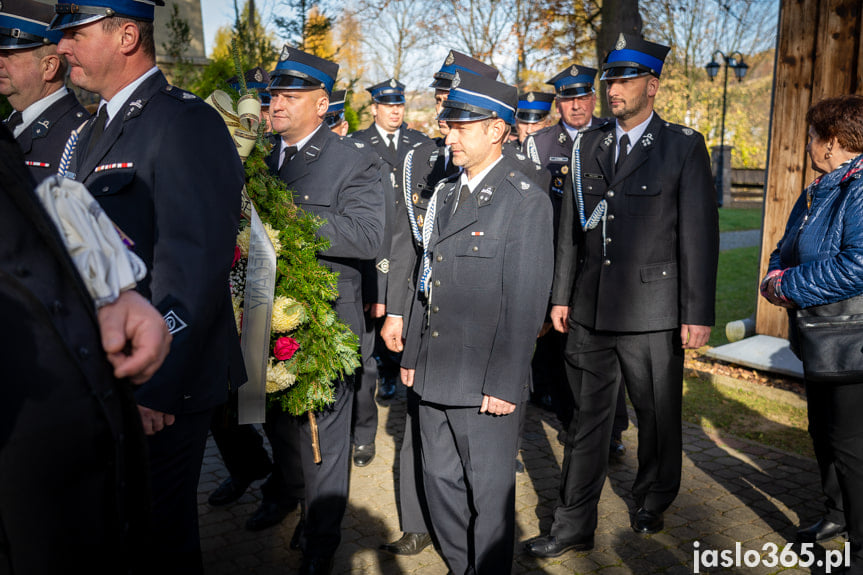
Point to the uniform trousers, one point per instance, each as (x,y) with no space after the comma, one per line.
(326,484)
(241,446)
(412,508)
(176,455)
(365,410)
(651,364)
(469,478)
(837,436)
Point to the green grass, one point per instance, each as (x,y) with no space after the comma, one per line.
(736,289)
(737,219)
(748,414)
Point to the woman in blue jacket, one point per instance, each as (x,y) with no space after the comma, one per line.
(819,261)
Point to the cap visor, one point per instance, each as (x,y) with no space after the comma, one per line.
(450,114)
(65,21)
(623,72)
(286,82)
(530,117)
(390,100)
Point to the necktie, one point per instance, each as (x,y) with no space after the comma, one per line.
(463,195)
(287,154)
(391,146)
(14,121)
(98,128)
(621,153)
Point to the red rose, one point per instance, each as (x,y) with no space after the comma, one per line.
(285,348)
(237,255)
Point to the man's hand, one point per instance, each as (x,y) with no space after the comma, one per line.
(154,421)
(694,336)
(559,314)
(377,310)
(496,406)
(408,376)
(391,333)
(134,337)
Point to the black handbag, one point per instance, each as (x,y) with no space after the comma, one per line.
(830,341)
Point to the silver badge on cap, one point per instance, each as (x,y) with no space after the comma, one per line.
(258,76)
(573,71)
(621,43)
(285,54)
(531,97)
(456,80)
(450,58)
(393,83)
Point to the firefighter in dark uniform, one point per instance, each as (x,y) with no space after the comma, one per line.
(164,167)
(337,179)
(552,147)
(391,139)
(33,80)
(481,299)
(532,113)
(419,173)
(635,280)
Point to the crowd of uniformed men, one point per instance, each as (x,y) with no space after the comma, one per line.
(580,256)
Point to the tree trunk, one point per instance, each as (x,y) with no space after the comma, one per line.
(616,16)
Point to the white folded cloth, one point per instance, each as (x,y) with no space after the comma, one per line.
(107,266)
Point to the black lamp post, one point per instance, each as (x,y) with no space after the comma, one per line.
(740,68)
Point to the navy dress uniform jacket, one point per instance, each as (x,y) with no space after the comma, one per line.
(491,274)
(338,180)
(73,479)
(551,147)
(428,166)
(376,272)
(167,173)
(657,269)
(44,139)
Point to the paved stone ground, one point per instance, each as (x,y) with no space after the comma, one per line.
(733,490)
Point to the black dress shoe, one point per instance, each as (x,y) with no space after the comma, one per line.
(267,515)
(647,522)
(387,387)
(229,491)
(298,532)
(551,546)
(316,565)
(821,531)
(617,449)
(363,454)
(409,544)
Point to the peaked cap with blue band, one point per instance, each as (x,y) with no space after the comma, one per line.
(298,70)
(69,15)
(388,92)
(336,110)
(533,106)
(474,97)
(24,24)
(633,56)
(256,79)
(573,81)
(455,62)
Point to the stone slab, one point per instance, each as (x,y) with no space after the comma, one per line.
(763,352)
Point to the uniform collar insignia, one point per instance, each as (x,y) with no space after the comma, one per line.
(484,195)
(312,151)
(609,138)
(647,140)
(561,138)
(44,123)
(524,185)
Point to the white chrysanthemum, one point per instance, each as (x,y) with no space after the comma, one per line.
(278,377)
(287,315)
(237,303)
(274,237)
(243,240)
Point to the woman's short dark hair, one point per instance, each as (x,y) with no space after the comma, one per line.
(840,118)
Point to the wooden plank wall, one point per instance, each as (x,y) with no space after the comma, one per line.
(819,54)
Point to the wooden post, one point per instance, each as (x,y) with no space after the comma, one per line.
(316,441)
(816,38)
